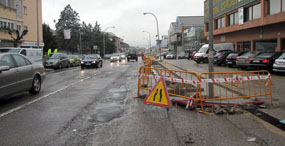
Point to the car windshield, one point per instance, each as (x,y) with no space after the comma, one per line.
(282,56)
(265,55)
(90,57)
(56,56)
(203,50)
(72,56)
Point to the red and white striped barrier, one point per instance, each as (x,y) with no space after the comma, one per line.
(235,79)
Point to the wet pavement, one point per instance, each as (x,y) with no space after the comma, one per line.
(96,107)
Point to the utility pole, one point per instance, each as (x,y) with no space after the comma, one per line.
(211,45)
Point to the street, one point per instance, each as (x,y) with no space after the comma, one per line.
(97,107)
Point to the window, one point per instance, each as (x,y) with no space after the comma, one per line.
(25,27)
(220,23)
(274,6)
(253,12)
(283,5)
(233,19)
(25,10)
(1,24)
(11,25)
(256,11)
(21,61)
(4,24)
(7,61)
(19,27)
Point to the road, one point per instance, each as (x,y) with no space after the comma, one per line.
(97,107)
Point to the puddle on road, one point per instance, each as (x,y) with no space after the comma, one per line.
(117,94)
(106,112)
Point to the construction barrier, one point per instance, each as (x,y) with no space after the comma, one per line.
(235,85)
(226,86)
(183,84)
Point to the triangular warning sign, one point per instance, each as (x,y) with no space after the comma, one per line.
(158,95)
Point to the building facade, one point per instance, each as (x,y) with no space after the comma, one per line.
(186,33)
(21,15)
(251,25)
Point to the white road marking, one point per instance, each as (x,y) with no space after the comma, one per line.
(40,98)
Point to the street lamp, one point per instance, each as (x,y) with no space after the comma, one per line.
(104,51)
(149,39)
(157,32)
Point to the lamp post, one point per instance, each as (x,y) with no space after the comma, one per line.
(149,39)
(104,51)
(157,32)
(211,46)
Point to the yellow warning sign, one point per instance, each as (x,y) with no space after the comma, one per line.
(158,95)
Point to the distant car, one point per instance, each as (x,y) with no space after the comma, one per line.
(74,60)
(115,57)
(264,60)
(181,55)
(92,60)
(220,57)
(57,61)
(18,74)
(170,56)
(123,55)
(279,64)
(107,56)
(243,60)
(132,56)
(231,59)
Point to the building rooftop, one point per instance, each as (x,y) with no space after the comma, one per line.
(191,20)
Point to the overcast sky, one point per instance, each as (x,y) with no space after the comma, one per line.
(126,15)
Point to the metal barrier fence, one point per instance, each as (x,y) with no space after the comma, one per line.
(235,85)
(183,84)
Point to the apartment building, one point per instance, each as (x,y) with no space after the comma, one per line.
(252,25)
(21,15)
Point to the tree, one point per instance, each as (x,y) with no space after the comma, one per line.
(18,37)
(49,38)
(69,19)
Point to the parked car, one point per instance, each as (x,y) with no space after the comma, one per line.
(164,54)
(92,60)
(264,60)
(279,64)
(107,56)
(19,73)
(115,57)
(243,60)
(170,56)
(221,57)
(231,59)
(57,61)
(74,60)
(132,56)
(123,55)
(181,55)
(192,55)
(203,53)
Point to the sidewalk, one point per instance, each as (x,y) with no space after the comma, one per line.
(277,109)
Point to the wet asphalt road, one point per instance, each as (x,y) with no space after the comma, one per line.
(97,107)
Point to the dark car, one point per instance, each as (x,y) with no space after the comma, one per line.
(57,61)
(243,60)
(264,60)
(132,56)
(231,59)
(107,56)
(221,57)
(19,73)
(93,60)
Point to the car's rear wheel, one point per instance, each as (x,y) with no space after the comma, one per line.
(36,85)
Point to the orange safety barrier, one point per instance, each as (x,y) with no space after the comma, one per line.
(235,85)
(183,84)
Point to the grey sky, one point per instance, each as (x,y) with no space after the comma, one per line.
(126,15)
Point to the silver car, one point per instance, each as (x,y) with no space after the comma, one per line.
(279,64)
(19,74)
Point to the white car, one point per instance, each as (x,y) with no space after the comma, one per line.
(170,56)
(279,64)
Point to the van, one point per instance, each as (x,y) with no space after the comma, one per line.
(203,53)
(32,53)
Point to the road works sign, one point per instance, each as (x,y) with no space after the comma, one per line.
(158,95)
